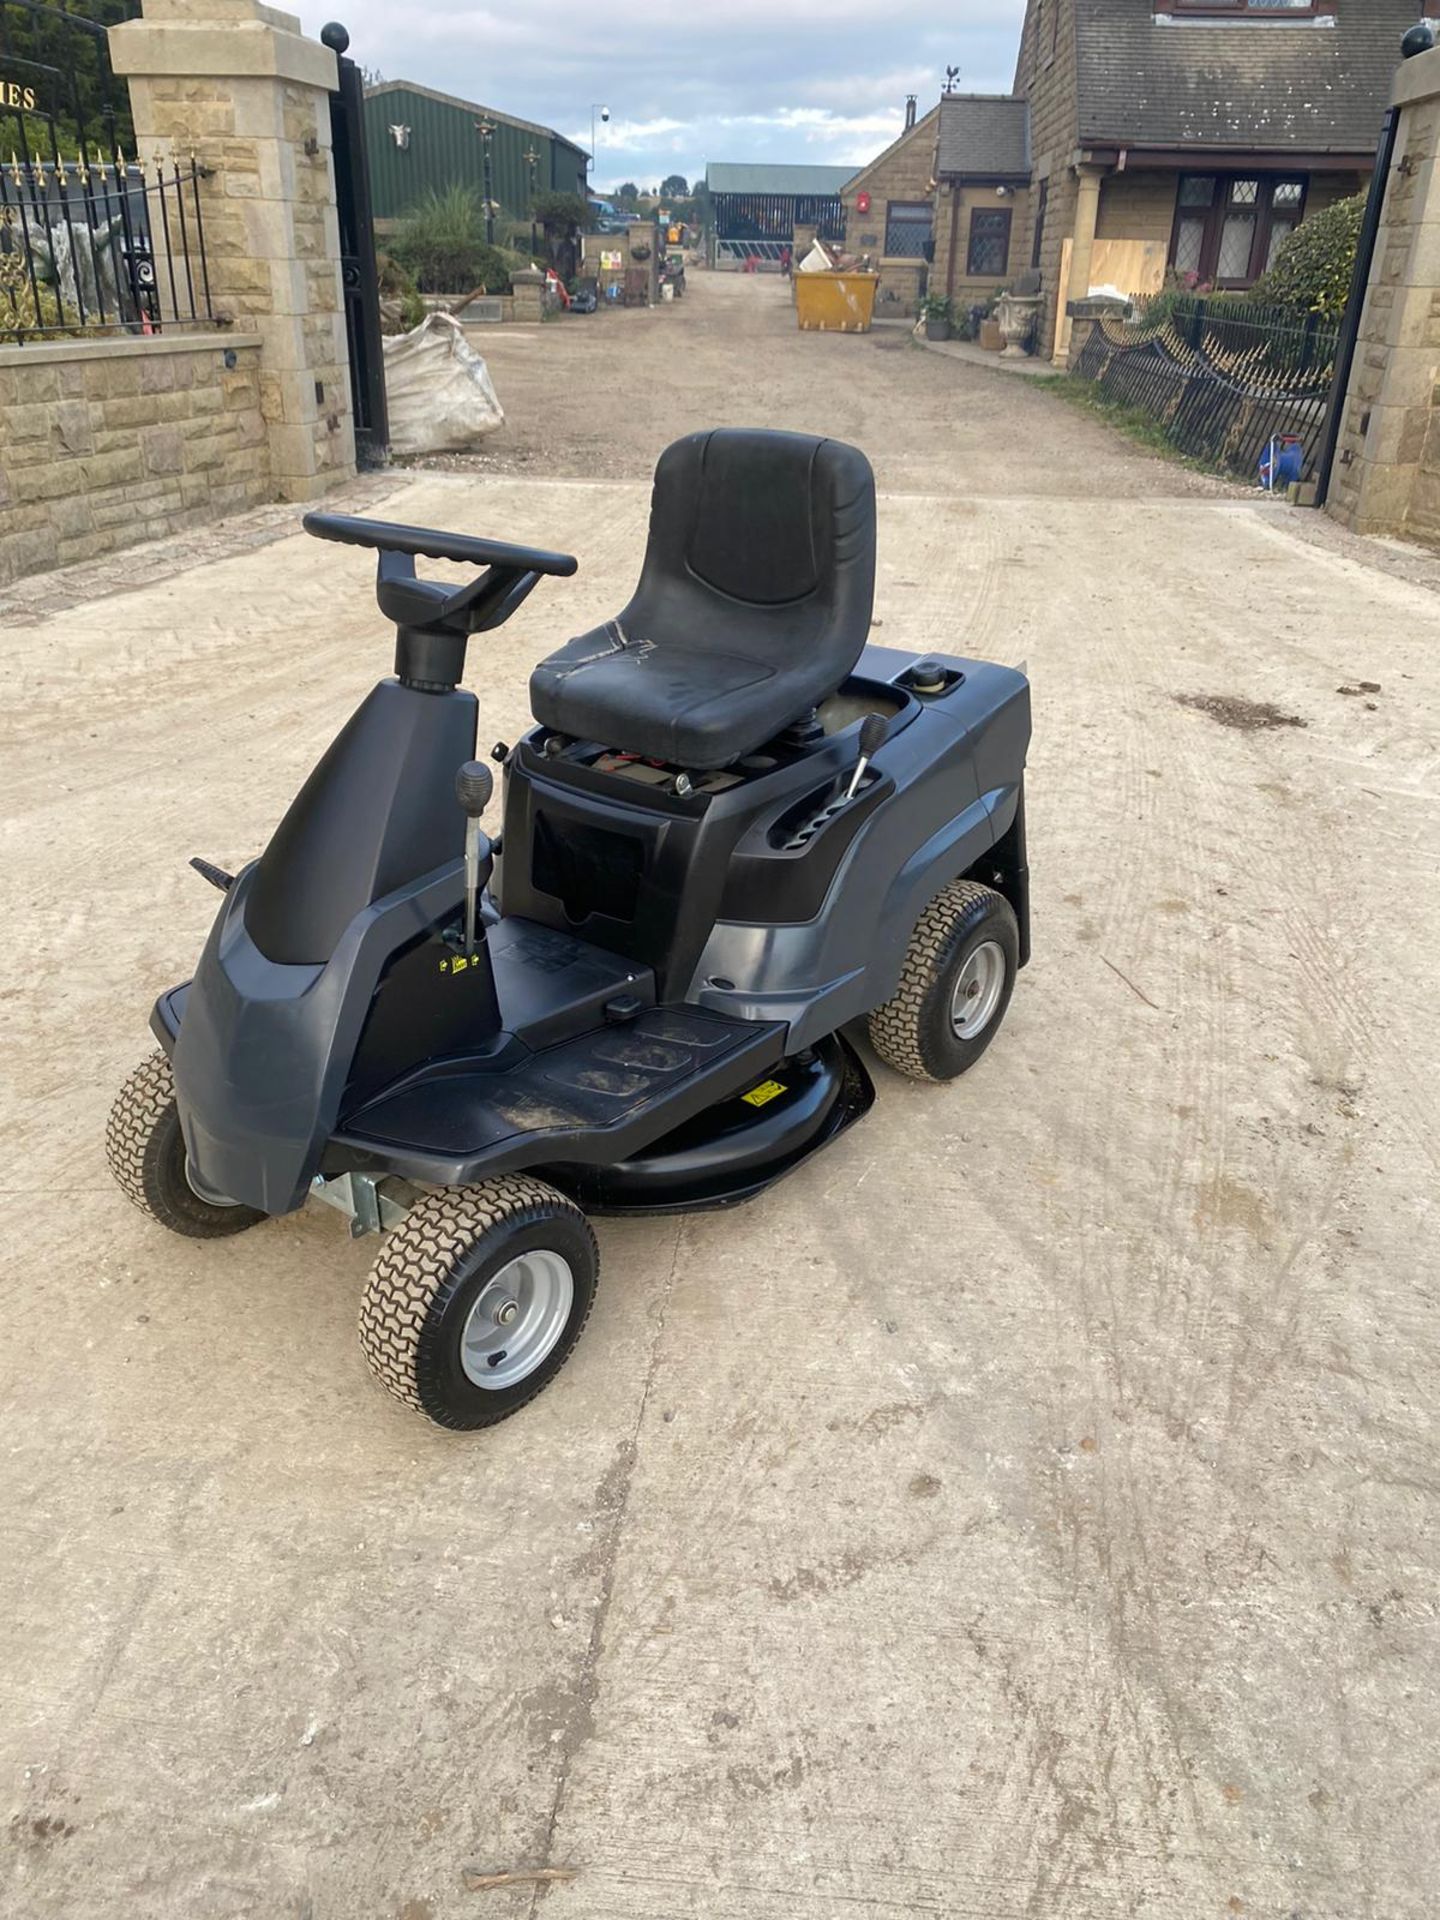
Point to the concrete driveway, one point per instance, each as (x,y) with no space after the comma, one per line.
(1027,1509)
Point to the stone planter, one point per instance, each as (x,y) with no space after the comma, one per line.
(937,329)
(1015,317)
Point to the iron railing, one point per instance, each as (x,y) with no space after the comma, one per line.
(775,216)
(742,250)
(96,247)
(1230,384)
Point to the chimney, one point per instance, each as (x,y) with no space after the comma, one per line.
(909,111)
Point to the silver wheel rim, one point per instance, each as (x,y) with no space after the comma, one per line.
(202,1192)
(516,1319)
(977,991)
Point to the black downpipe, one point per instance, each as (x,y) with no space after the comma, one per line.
(1355,305)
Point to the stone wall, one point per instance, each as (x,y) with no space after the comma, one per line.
(1387,471)
(1046,75)
(1137,205)
(103,443)
(238,85)
(954,208)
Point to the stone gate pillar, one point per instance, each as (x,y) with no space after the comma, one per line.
(239,86)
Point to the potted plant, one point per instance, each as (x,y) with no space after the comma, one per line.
(936,315)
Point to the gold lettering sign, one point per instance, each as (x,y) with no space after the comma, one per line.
(12,94)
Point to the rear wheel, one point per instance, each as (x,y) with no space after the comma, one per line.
(955,985)
(477,1299)
(146,1151)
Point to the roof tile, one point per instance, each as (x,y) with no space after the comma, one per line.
(983,134)
(1256,82)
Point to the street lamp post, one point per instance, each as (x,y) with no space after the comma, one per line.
(604,112)
(532,161)
(486,131)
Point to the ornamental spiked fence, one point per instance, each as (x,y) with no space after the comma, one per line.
(1225,381)
(94,247)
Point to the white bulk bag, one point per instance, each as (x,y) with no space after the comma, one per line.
(437,389)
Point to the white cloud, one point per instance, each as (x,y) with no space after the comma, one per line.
(806,79)
(633,135)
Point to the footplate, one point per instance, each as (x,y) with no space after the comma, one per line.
(597,1098)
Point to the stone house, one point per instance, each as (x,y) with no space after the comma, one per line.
(890,213)
(1141,138)
(1192,136)
(944,208)
(983,196)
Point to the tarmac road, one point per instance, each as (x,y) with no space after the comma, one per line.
(1026,1509)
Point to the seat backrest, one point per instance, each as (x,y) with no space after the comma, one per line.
(768,519)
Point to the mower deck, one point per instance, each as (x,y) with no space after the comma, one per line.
(738,1148)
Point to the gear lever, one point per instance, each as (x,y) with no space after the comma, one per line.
(474,784)
(872,732)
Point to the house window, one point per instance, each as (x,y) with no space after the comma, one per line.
(1042,202)
(1245,6)
(1228,226)
(988,256)
(910,229)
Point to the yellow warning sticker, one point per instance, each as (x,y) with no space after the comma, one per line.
(763,1094)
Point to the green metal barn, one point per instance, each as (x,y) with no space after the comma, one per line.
(417,138)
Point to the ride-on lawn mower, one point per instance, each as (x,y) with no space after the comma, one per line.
(735,829)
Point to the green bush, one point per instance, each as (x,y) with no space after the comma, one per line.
(1178,299)
(1313,267)
(401,308)
(441,242)
(560,212)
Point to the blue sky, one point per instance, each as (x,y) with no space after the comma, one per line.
(807,80)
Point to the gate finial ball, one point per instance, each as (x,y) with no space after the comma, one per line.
(336,37)
(1419,39)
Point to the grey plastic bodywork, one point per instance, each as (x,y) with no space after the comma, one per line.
(264,1050)
(819,973)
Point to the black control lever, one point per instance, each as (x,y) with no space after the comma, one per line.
(872,732)
(217,876)
(474,784)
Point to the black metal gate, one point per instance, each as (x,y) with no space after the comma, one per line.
(57,91)
(90,242)
(357,256)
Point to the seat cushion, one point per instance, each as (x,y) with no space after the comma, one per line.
(753,603)
(685,705)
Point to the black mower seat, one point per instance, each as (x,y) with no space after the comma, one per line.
(753,604)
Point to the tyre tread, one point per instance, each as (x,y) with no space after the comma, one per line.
(896,1028)
(146,1155)
(418,1263)
(138,1108)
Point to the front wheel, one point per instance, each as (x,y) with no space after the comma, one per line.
(955,985)
(146,1151)
(477,1299)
